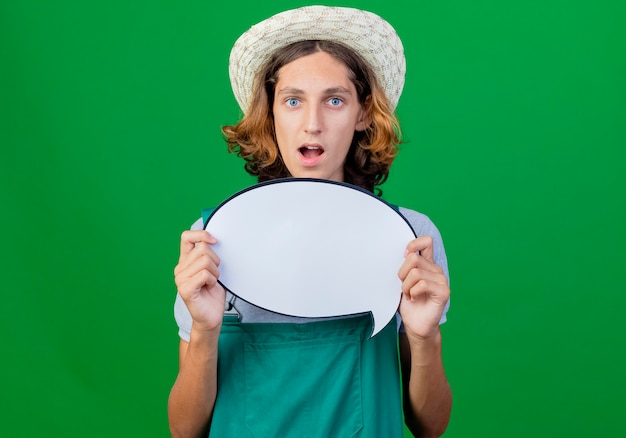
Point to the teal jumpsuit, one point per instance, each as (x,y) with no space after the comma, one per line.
(307,380)
(318,379)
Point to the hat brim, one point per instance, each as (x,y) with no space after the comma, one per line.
(373,38)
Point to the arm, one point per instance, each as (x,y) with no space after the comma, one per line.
(425,291)
(192,397)
(427,395)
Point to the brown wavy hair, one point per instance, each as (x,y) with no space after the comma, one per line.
(372,151)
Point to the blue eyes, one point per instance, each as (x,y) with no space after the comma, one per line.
(293,102)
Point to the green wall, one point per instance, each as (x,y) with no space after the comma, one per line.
(514,115)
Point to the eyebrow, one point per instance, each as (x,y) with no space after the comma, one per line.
(298,91)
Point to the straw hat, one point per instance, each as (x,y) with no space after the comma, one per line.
(364,32)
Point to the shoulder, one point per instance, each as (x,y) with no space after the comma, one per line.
(421,224)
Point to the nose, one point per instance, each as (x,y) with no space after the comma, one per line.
(313,122)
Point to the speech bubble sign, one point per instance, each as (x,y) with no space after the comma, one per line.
(311,248)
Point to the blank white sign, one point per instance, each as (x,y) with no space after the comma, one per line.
(312,248)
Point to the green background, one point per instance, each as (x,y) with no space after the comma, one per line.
(514,115)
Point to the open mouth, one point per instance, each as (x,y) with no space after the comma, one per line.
(311,151)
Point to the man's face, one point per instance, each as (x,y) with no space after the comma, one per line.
(316,112)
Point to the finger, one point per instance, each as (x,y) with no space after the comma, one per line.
(201,257)
(203,248)
(414,260)
(416,276)
(195,283)
(410,262)
(204,264)
(422,245)
(189,239)
(424,290)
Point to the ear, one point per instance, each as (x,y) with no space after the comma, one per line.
(365,119)
(363,123)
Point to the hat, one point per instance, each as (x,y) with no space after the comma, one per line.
(364,32)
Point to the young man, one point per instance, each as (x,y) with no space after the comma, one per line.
(318,86)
